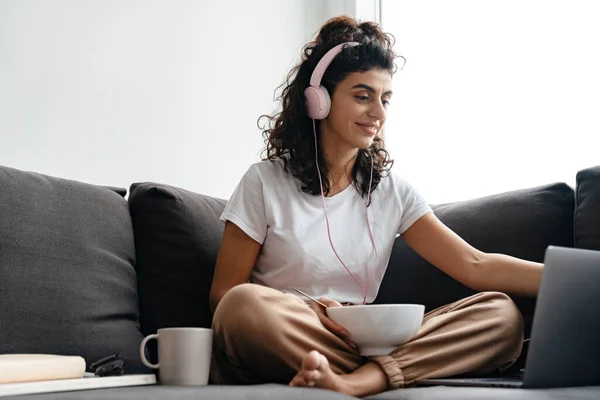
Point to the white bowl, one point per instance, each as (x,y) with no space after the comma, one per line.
(379,329)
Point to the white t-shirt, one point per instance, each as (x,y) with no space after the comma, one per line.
(269,206)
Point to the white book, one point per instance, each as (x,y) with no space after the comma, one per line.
(17,368)
(84,383)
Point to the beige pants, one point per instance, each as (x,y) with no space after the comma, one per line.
(262,336)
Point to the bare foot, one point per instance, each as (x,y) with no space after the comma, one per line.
(315,372)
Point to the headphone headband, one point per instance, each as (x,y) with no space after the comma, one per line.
(317,100)
(317,75)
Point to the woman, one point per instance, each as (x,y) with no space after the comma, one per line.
(320,213)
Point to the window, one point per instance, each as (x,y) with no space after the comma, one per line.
(495,95)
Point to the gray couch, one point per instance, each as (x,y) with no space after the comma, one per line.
(88,270)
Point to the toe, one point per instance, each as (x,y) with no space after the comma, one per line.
(312,361)
(312,376)
(298,380)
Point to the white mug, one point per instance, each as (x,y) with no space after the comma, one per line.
(183,355)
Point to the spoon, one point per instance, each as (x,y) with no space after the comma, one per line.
(310,297)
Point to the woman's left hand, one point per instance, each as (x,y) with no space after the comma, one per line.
(334,328)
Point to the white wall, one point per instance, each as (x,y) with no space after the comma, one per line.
(113,92)
(495,95)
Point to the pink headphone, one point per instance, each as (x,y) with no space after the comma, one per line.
(317,98)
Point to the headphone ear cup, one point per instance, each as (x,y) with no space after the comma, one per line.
(317,102)
(326,101)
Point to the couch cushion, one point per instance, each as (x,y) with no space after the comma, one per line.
(275,391)
(210,392)
(457,393)
(67,282)
(177,236)
(521,223)
(587,209)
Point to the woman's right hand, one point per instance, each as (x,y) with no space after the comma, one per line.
(331,326)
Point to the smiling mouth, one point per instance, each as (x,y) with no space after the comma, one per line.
(368,129)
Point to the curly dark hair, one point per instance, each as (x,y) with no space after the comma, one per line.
(288,135)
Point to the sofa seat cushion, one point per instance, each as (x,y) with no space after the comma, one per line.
(458,393)
(275,391)
(67,282)
(587,209)
(210,392)
(177,237)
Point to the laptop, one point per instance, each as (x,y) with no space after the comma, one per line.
(564,349)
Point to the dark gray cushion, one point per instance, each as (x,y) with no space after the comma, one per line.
(521,223)
(587,209)
(276,392)
(254,392)
(455,393)
(67,282)
(177,237)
